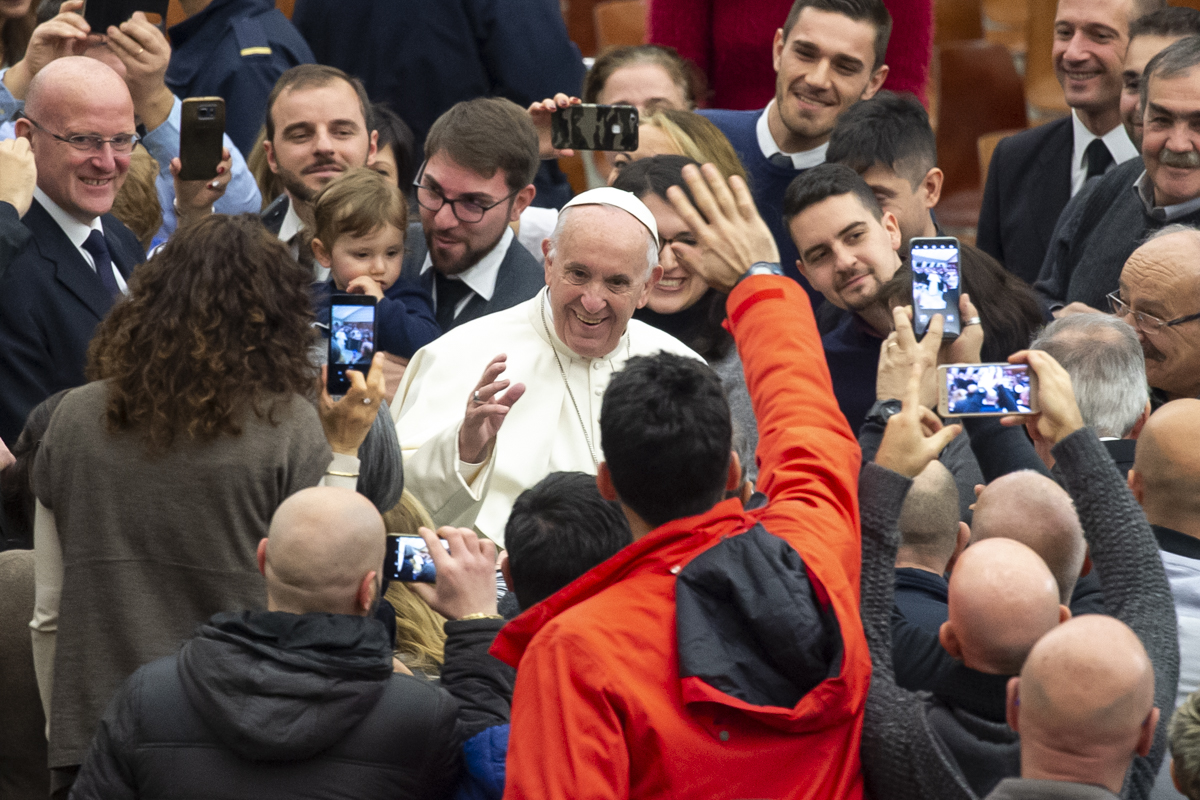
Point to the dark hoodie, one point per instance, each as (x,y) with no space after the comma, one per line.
(270,704)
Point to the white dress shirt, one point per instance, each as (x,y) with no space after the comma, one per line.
(1116,140)
(481,277)
(77,232)
(766,143)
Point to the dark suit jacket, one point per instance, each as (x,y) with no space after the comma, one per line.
(13,235)
(519,279)
(1028,185)
(272,216)
(50,304)
(1121,451)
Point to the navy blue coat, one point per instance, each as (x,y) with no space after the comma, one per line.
(235,49)
(50,303)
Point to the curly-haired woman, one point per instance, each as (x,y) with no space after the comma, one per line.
(156,481)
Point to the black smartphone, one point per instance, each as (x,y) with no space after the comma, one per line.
(408,559)
(986,390)
(201,132)
(935,284)
(351,339)
(102,13)
(595,127)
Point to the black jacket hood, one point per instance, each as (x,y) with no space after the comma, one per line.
(282,687)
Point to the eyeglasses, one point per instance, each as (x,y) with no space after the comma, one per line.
(683,238)
(1146,323)
(464,210)
(122,143)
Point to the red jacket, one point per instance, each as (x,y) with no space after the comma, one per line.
(599,709)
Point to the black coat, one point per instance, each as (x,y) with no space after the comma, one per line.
(268,704)
(50,303)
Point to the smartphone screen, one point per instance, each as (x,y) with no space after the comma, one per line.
(351,339)
(935,286)
(595,127)
(987,389)
(408,559)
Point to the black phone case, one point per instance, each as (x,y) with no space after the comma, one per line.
(595,127)
(201,139)
(102,13)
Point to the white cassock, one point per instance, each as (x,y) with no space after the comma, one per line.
(541,434)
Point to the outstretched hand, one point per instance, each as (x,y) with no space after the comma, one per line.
(915,436)
(542,113)
(486,410)
(731,235)
(466,573)
(1058,413)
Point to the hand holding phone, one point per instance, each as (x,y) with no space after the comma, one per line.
(201,138)
(936,283)
(348,420)
(1057,412)
(465,564)
(595,127)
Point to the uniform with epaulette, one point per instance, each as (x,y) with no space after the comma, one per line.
(235,49)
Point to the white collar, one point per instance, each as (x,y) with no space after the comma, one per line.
(75,230)
(482,276)
(1117,141)
(291,222)
(766,143)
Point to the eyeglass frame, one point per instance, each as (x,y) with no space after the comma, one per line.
(1116,304)
(453,203)
(95,143)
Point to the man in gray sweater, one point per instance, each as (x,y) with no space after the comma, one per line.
(950,744)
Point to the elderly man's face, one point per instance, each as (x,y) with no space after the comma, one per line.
(597,278)
(1162,279)
(1171,136)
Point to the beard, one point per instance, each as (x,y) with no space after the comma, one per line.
(469,258)
(294,183)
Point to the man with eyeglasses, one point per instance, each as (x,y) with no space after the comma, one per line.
(79,121)
(480,160)
(1159,295)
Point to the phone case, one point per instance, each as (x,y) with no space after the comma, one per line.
(102,13)
(201,138)
(595,127)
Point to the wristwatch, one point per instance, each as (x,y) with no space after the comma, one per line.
(882,411)
(762,268)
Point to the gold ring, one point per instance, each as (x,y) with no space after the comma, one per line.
(139,52)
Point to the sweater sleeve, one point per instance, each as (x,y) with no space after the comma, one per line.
(1125,556)
(1000,450)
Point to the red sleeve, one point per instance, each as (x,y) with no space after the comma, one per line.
(685,25)
(808,458)
(910,48)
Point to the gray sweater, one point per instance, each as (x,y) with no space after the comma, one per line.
(902,755)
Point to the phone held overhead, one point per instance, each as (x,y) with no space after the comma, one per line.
(595,127)
(201,138)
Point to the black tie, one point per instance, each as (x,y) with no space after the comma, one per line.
(1098,158)
(449,294)
(96,245)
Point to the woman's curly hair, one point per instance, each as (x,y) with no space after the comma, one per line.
(216,324)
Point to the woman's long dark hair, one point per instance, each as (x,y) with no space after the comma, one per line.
(216,324)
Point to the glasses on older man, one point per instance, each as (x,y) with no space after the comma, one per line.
(465,209)
(1146,323)
(122,143)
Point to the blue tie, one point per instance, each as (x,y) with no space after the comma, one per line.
(96,245)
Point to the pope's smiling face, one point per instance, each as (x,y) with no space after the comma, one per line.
(597,277)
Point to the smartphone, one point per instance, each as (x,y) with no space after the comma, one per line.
(408,559)
(935,284)
(594,127)
(351,339)
(102,13)
(986,390)
(201,142)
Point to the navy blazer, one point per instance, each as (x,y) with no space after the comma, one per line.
(1028,186)
(521,277)
(50,304)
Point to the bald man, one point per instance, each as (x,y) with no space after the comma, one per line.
(79,122)
(301,700)
(931,539)
(956,743)
(1084,708)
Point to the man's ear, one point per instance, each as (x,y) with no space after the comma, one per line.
(23,128)
(365,597)
(604,482)
(1137,485)
(269,152)
(548,262)
(1012,703)
(323,256)
(1136,430)
(733,481)
(949,640)
(1146,737)
(262,556)
(655,276)
(1064,613)
(777,49)
(892,226)
(372,149)
(960,544)
(521,202)
(1087,563)
(932,185)
(875,83)
(506,570)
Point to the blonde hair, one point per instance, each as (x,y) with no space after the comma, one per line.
(1185,746)
(358,202)
(137,204)
(698,139)
(420,639)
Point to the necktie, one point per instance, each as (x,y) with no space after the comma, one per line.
(782,161)
(1098,158)
(449,294)
(98,248)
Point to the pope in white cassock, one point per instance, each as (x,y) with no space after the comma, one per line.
(557,353)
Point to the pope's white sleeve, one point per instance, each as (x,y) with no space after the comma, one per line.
(451,491)
(48,578)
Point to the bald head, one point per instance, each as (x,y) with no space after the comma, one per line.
(1167,465)
(1086,697)
(929,517)
(322,544)
(71,82)
(1036,511)
(1002,599)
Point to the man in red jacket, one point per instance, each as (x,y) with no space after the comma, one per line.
(721,654)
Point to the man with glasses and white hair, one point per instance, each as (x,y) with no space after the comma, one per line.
(1159,295)
(480,159)
(545,364)
(79,120)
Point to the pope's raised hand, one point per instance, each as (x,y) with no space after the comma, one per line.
(486,410)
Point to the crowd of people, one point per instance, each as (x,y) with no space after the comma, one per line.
(640,491)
